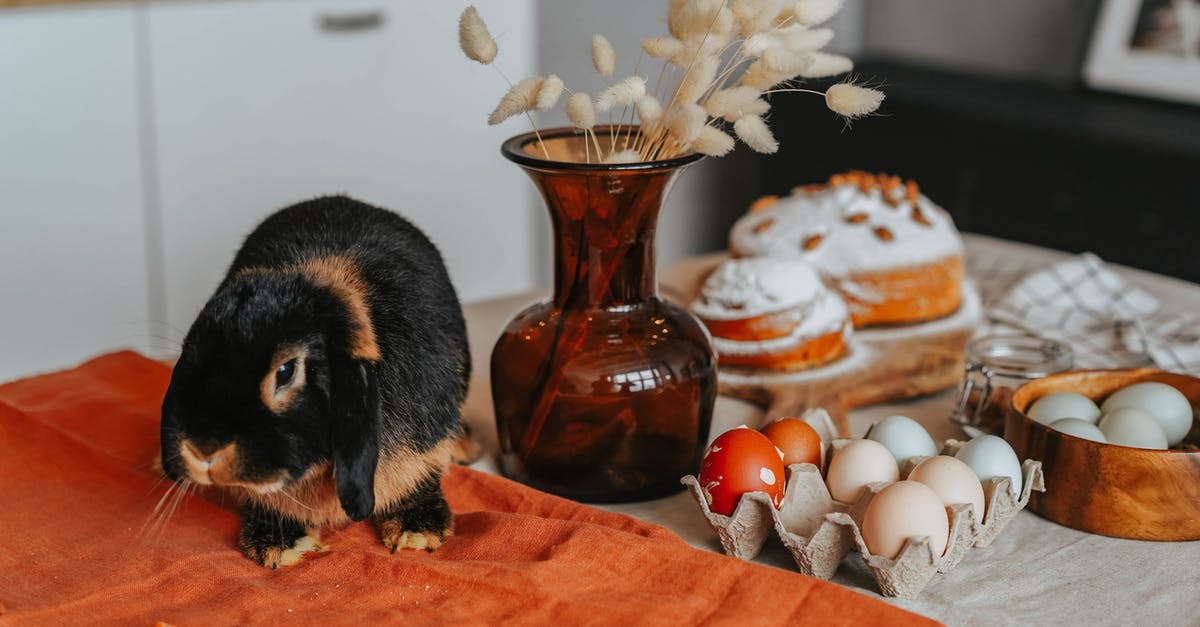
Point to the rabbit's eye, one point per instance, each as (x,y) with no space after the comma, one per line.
(285,373)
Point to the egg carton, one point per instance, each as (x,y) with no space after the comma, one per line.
(819,531)
(806,522)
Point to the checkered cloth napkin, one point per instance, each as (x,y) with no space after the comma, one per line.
(1108,323)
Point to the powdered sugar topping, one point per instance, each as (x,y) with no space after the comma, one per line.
(745,288)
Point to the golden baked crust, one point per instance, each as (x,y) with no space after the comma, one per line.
(906,295)
(808,354)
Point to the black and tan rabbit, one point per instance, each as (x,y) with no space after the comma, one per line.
(323,382)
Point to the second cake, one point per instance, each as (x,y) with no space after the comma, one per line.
(772,313)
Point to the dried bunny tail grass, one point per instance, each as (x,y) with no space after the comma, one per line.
(649,110)
(851,101)
(813,12)
(712,142)
(604,57)
(626,91)
(687,122)
(674,9)
(756,15)
(745,10)
(754,107)
(697,80)
(580,111)
(521,98)
(549,93)
(758,43)
(800,39)
(624,156)
(757,135)
(662,47)
(474,39)
(696,49)
(695,19)
(826,64)
(792,37)
(732,103)
(723,25)
(760,77)
(782,61)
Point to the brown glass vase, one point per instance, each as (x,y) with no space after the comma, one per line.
(605,392)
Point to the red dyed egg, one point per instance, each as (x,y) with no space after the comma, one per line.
(739,461)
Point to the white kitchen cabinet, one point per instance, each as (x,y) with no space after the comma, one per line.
(259,104)
(73,273)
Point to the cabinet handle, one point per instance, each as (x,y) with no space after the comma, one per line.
(351,22)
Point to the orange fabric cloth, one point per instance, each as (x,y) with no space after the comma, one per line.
(76,487)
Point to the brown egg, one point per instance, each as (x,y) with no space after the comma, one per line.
(799,442)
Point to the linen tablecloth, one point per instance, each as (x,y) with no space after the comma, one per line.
(77,487)
(1036,573)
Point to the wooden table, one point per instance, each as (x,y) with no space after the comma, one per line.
(1037,572)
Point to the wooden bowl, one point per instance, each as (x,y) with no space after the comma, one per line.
(1106,488)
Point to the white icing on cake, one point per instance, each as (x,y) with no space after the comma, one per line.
(747,288)
(860,231)
(828,314)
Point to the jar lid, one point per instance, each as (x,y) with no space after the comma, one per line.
(1020,356)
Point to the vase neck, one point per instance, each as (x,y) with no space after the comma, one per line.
(604,234)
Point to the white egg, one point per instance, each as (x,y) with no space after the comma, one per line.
(1080,429)
(904,437)
(1165,403)
(856,465)
(990,456)
(1061,405)
(1132,427)
(952,480)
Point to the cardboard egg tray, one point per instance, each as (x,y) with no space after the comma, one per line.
(819,532)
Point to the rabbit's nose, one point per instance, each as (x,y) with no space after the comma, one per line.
(206,454)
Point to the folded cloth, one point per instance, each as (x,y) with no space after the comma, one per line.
(77,488)
(1107,322)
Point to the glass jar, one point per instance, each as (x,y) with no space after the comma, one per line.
(995,366)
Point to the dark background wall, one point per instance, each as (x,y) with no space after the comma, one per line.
(1035,40)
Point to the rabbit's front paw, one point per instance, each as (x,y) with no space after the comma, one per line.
(276,556)
(395,538)
(274,541)
(421,521)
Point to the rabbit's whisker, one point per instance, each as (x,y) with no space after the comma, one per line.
(170,489)
(164,510)
(295,500)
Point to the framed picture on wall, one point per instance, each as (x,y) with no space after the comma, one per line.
(1147,48)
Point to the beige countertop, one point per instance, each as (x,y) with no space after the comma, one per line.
(1036,572)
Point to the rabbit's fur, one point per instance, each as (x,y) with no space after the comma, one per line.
(323,381)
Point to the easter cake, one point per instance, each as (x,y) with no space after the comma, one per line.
(893,254)
(772,313)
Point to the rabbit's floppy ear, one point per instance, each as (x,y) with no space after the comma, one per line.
(354,403)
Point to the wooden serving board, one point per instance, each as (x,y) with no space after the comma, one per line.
(883,364)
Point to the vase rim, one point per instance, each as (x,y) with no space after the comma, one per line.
(512,150)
